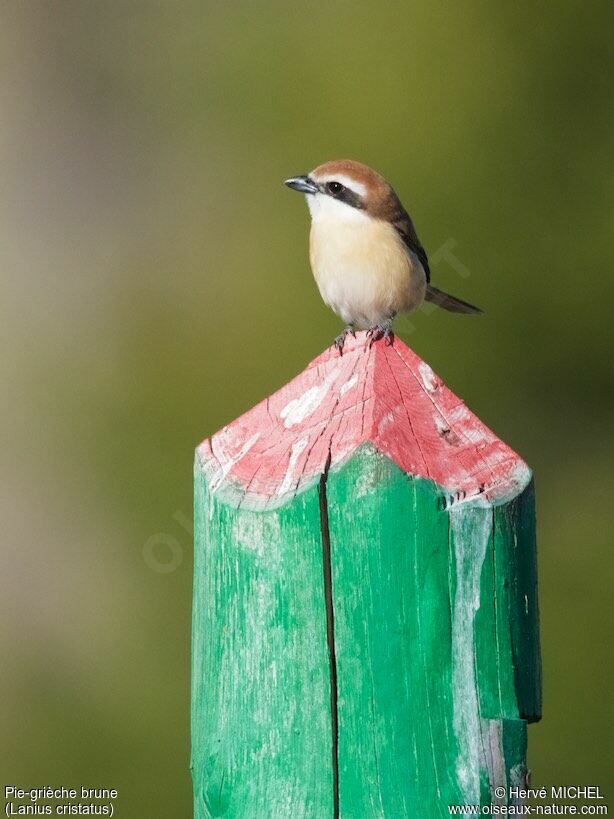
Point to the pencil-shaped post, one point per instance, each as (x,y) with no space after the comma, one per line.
(365,626)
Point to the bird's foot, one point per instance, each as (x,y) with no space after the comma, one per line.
(340,340)
(383,330)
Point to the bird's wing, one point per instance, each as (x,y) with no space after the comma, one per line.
(404,226)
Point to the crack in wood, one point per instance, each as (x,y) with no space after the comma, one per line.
(330,631)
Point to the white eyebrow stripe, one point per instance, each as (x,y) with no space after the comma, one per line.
(346,181)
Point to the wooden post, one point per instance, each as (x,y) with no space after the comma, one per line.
(365,629)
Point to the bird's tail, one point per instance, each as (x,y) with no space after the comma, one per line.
(450,303)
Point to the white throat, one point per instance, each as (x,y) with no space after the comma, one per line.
(324,208)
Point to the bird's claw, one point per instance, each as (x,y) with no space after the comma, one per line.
(381,331)
(340,340)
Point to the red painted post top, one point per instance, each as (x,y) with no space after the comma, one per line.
(383,395)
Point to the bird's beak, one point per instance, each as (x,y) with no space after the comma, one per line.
(303,184)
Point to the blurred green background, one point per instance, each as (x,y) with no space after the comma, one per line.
(155,284)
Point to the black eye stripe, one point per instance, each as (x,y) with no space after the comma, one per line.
(339,192)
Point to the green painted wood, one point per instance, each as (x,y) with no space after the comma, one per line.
(261,741)
(435,639)
(510,671)
(428,633)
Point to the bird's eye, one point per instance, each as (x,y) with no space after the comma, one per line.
(334,188)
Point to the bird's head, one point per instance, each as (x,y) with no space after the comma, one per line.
(346,190)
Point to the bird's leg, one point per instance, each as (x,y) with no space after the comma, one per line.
(382,330)
(340,340)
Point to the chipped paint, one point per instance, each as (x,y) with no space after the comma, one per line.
(385,421)
(519,779)
(348,385)
(290,478)
(253,534)
(227,461)
(476,436)
(494,758)
(429,379)
(442,426)
(383,395)
(459,413)
(471,527)
(297,410)
(427,699)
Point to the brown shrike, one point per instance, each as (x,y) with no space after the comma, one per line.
(365,255)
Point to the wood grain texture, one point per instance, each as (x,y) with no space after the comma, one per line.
(426,594)
(384,395)
(422,676)
(260,678)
